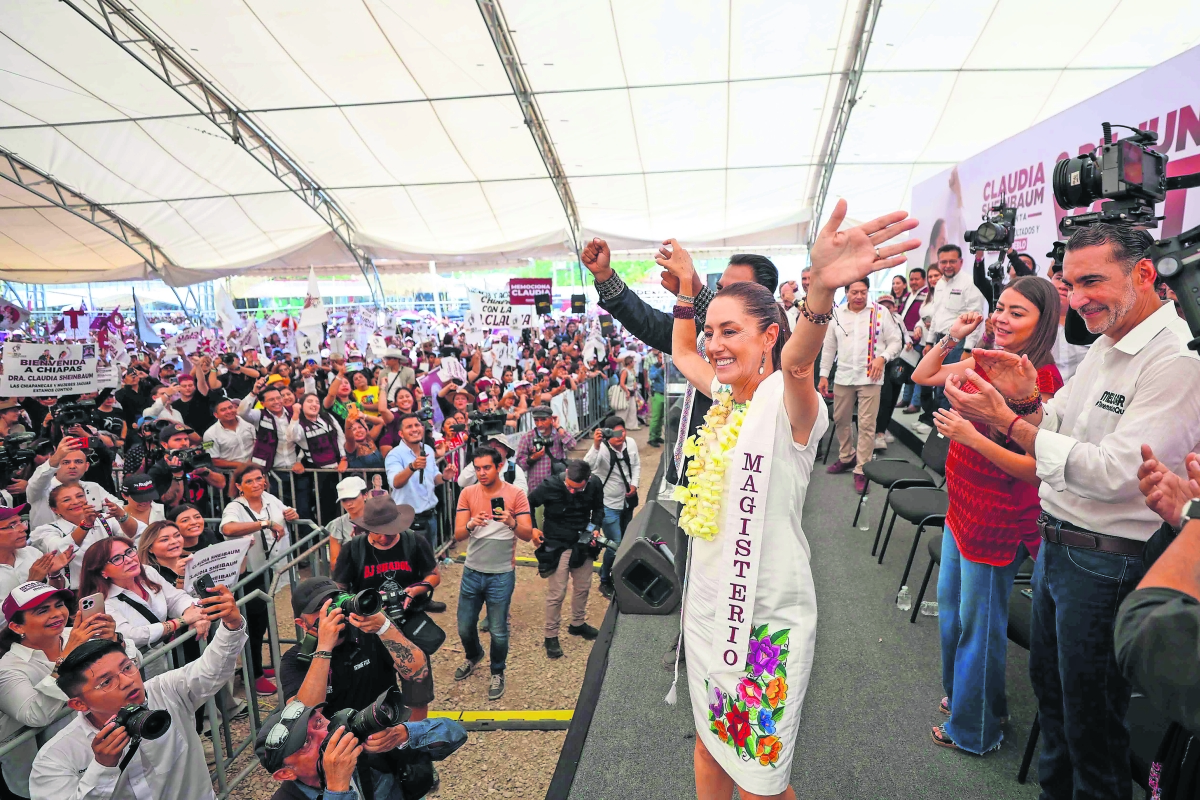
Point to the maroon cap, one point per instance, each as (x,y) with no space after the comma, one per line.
(9,513)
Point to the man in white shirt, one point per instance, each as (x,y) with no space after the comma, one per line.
(615,460)
(1067,356)
(864,337)
(1138,386)
(956,293)
(93,758)
(66,464)
(398,374)
(231,436)
(509,470)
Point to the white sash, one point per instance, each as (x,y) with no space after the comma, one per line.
(745,508)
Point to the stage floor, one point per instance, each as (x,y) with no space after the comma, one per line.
(871,702)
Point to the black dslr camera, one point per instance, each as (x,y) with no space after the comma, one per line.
(75,412)
(366,603)
(15,454)
(142,723)
(998,231)
(193,457)
(387,711)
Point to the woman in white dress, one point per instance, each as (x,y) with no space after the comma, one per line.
(750,607)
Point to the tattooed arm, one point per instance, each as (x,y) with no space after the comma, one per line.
(410,660)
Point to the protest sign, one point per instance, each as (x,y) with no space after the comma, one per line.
(308,342)
(221,561)
(187,341)
(77,323)
(494,311)
(47,370)
(521,291)
(337,346)
(12,316)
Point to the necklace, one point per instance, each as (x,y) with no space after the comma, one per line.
(709,452)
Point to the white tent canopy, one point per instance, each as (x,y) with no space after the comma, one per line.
(702,120)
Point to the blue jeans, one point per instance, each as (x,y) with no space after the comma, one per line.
(973,617)
(1082,695)
(612,529)
(495,589)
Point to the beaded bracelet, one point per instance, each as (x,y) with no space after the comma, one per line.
(684,312)
(814,317)
(1026,406)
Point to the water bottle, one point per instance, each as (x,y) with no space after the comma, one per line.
(929,608)
(904,599)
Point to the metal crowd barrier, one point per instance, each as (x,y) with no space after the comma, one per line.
(225,751)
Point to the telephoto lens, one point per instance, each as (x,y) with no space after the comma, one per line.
(387,711)
(365,603)
(142,723)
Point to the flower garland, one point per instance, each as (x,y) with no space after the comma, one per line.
(709,452)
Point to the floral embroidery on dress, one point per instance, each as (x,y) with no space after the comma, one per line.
(747,722)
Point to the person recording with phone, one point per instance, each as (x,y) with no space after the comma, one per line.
(78,527)
(40,634)
(135,739)
(395,561)
(350,656)
(492,514)
(615,456)
(66,465)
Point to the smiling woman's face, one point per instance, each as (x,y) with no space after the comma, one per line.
(733,343)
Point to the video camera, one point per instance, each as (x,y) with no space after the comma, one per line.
(998,231)
(15,455)
(1131,178)
(426,413)
(481,424)
(193,457)
(76,412)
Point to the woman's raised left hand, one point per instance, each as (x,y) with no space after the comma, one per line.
(840,257)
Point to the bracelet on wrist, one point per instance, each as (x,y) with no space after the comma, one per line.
(325,654)
(686,298)
(814,317)
(1026,406)
(683,312)
(948,343)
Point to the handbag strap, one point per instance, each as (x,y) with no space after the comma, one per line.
(262,534)
(138,607)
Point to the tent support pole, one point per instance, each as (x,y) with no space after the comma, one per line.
(856,60)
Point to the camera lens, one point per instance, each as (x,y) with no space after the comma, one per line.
(1076,182)
(1168,266)
(141,722)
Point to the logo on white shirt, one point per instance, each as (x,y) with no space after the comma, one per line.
(1111,401)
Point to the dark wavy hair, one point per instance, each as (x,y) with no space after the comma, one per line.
(1044,297)
(759,302)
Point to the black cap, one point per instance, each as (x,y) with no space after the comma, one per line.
(310,593)
(172,429)
(542,412)
(139,486)
(286,731)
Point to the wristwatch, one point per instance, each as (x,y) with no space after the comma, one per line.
(1191,511)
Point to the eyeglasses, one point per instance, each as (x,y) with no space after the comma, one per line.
(15,525)
(277,736)
(125,556)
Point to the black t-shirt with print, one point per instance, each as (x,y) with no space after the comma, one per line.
(236,384)
(379,566)
(357,674)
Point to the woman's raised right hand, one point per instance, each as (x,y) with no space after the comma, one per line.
(676,261)
(965,325)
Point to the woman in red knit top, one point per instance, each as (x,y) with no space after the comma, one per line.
(991,525)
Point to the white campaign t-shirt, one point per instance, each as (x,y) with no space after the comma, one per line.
(272,510)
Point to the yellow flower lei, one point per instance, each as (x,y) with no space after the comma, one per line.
(709,450)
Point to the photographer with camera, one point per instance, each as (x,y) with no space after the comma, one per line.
(492,514)
(1138,384)
(133,400)
(322,759)
(573,506)
(183,475)
(121,744)
(413,458)
(615,456)
(400,565)
(66,465)
(543,451)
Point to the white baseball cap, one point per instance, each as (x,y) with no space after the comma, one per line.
(350,488)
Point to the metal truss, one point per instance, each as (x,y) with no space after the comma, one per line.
(135,37)
(493,17)
(28,177)
(864,28)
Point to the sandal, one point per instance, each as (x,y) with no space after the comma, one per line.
(944,706)
(942,739)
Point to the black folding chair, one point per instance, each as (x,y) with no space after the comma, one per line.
(923,506)
(898,473)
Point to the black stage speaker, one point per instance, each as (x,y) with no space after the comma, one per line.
(606,325)
(541,302)
(645,580)
(578,304)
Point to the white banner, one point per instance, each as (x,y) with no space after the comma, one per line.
(494,311)
(186,341)
(77,324)
(221,561)
(308,343)
(48,370)
(1020,169)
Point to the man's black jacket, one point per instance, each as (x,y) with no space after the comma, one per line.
(568,514)
(654,328)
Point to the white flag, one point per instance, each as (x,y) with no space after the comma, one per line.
(227,315)
(314,314)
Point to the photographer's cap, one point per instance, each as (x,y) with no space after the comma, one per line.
(310,593)
(139,486)
(281,735)
(350,488)
(542,412)
(173,429)
(31,595)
